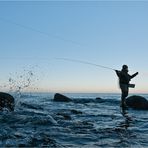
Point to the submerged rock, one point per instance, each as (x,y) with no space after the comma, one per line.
(65,116)
(61,98)
(31,106)
(137,102)
(76,111)
(6,101)
(99,100)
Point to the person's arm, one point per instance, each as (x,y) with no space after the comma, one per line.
(117,72)
(135,74)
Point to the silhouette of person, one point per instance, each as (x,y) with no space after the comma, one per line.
(124,79)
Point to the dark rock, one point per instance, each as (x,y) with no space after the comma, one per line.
(98,98)
(31,106)
(61,98)
(65,116)
(76,111)
(137,102)
(6,101)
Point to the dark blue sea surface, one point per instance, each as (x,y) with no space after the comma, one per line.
(38,121)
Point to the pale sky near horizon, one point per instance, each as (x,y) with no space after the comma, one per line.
(108,33)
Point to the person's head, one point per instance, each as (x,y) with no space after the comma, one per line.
(125,68)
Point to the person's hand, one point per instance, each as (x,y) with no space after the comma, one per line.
(116,71)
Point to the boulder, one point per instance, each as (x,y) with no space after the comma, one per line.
(6,101)
(61,98)
(137,102)
(98,98)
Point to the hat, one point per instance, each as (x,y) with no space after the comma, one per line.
(124,67)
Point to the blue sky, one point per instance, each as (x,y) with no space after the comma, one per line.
(109,33)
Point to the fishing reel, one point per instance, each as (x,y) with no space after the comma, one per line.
(131,85)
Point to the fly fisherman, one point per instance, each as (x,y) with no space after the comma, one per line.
(124,79)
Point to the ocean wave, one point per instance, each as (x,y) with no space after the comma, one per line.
(40,122)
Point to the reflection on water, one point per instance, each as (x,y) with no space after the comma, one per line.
(128,119)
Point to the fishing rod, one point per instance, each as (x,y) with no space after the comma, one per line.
(55,36)
(64,59)
(50,35)
(85,62)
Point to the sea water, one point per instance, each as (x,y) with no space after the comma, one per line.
(38,121)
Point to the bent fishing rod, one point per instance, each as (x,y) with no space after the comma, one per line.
(63,59)
(85,62)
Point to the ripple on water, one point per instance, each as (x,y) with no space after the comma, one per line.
(43,122)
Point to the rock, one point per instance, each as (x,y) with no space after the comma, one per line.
(30,106)
(76,111)
(65,116)
(61,98)
(137,102)
(6,101)
(98,98)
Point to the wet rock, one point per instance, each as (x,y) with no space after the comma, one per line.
(31,106)
(76,111)
(99,100)
(137,102)
(65,116)
(61,98)
(6,101)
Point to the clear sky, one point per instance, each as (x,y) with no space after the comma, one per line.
(109,33)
